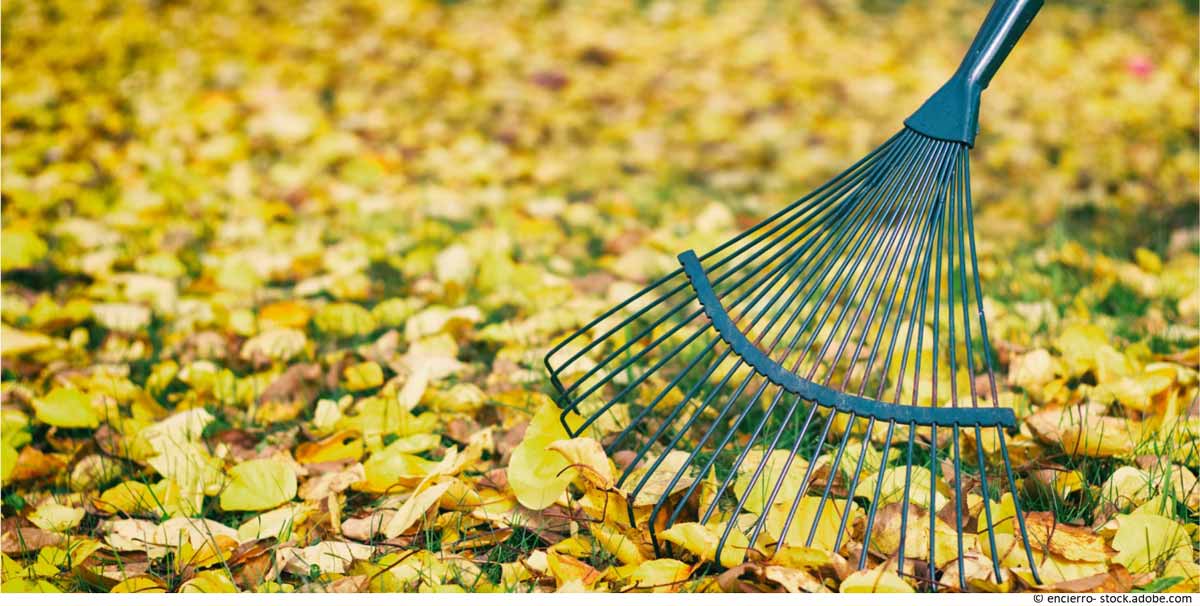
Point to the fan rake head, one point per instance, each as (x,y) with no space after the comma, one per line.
(824,379)
(822,371)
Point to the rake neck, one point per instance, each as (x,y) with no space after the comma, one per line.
(952,113)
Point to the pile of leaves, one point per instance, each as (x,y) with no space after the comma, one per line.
(278,280)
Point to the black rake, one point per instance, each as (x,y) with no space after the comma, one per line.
(853,317)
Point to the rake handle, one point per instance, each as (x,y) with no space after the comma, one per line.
(997,36)
(952,113)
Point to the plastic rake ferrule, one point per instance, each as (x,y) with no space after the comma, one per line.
(952,113)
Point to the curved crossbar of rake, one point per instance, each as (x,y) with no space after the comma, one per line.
(843,402)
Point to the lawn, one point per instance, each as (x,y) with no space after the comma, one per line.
(279,277)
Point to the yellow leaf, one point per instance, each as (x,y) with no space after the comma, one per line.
(414,388)
(365,375)
(885,534)
(617,543)
(284,314)
(892,489)
(341,446)
(279,522)
(126,318)
(258,485)
(278,344)
(800,557)
(140,584)
(565,569)
(66,407)
(1032,370)
(1102,437)
(69,554)
(1145,541)
(702,541)
(795,581)
(327,556)
(805,519)
(414,508)
(1188,573)
(130,498)
(660,481)
(54,517)
(345,320)
(772,470)
(8,462)
(16,342)
(878,580)
(394,470)
(28,585)
(210,581)
(662,575)
(20,248)
(587,456)
(538,475)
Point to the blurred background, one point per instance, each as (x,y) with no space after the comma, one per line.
(532,159)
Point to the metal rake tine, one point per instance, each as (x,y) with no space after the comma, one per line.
(887,363)
(838,356)
(825,495)
(654,344)
(987,507)
(633,384)
(797,207)
(912,428)
(787,522)
(926,238)
(708,435)
(958,509)
(932,510)
(767,452)
(660,339)
(887,444)
(837,324)
(641,454)
(904,502)
(879,198)
(987,356)
(874,226)
(845,438)
(795,274)
(667,389)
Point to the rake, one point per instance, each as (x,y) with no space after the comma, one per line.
(843,333)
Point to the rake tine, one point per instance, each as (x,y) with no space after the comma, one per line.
(863,384)
(612,447)
(912,434)
(904,196)
(862,457)
(987,356)
(842,447)
(1012,486)
(787,522)
(958,512)
(887,444)
(987,508)
(798,207)
(853,253)
(874,227)
(734,425)
(933,506)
